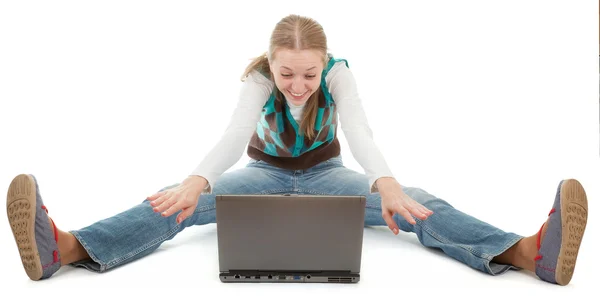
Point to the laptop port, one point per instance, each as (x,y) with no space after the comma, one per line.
(270,276)
(282,277)
(296,277)
(237,276)
(257,277)
(308,276)
(247,276)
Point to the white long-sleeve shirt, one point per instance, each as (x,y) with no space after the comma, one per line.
(255,92)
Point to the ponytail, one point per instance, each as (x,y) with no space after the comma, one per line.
(261,64)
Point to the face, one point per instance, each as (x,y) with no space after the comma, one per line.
(297,73)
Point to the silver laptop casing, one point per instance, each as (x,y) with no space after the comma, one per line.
(290,238)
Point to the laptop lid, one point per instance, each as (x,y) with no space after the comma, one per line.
(290,232)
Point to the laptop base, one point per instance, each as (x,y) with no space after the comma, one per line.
(253,276)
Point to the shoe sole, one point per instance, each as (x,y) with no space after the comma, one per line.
(574,211)
(20,207)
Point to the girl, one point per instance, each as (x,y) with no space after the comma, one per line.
(291,100)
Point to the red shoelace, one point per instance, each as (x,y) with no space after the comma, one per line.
(55,253)
(539,237)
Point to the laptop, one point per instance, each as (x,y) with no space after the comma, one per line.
(290,238)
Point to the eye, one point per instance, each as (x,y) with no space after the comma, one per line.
(311,76)
(286,75)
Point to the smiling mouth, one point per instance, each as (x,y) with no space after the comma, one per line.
(298,96)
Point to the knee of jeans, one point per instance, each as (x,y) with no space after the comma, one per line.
(434,203)
(422,197)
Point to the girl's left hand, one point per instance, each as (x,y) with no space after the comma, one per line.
(394,200)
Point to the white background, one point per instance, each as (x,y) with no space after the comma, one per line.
(487,104)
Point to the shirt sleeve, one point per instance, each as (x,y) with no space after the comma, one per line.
(353,121)
(254,93)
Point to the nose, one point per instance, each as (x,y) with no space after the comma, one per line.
(298,85)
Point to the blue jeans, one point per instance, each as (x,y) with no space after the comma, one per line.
(139,231)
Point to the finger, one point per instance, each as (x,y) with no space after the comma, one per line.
(405,214)
(166,204)
(425,210)
(185,214)
(415,210)
(160,200)
(155,196)
(173,209)
(422,209)
(387,217)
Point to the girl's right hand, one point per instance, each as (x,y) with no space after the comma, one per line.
(182,197)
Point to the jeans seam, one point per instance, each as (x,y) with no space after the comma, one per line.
(281,190)
(367,205)
(502,249)
(143,248)
(294,181)
(313,192)
(205,208)
(103,266)
(446,241)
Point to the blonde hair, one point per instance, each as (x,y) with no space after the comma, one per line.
(295,32)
